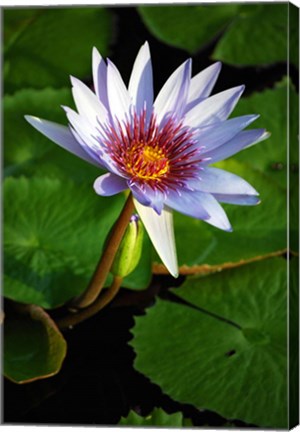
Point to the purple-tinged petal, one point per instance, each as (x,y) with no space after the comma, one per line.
(161,232)
(218,217)
(147,196)
(109,184)
(187,203)
(218,181)
(90,139)
(238,143)
(213,136)
(100,77)
(87,103)
(237,199)
(139,194)
(202,85)
(173,95)
(62,136)
(141,82)
(203,206)
(118,96)
(214,109)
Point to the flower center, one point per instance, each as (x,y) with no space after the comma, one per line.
(146,162)
(162,156)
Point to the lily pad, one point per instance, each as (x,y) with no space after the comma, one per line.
(53,235)
(187,27)
(157,418)
(28,152)
(257,230)
(225,347)
(270,156)
(51,44)
(258,36)
(34,348)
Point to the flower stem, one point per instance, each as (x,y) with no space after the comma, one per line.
(96,284)
(99,304)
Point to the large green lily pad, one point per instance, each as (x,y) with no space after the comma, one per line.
(34,348)
(226,348)
(27,151)
(257,230)
(259,36)
(43,47)
(53,235)
(187,27)
(270,156)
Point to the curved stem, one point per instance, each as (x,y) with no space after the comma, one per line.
(96,284)
(99,304)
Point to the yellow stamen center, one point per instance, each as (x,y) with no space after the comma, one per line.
(148,163)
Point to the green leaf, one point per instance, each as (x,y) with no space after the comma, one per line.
(226,348)
(27,151)
(270,156)
(34,348)
(22,143)
(46,46)
(257,230)
(53,235)
(258,36)
(158,417)
(187,27)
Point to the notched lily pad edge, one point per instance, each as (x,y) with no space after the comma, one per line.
(204,269)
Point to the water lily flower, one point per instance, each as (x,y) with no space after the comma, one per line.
(159,149)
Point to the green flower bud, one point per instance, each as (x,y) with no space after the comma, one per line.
(130,250)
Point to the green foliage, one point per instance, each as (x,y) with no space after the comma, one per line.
(48,225)
(259,36)
(270,156)
(257,230)
(226,348)
(157,418)
(187,27)
(33,346)
(27,151)
(42,47)
(250,34)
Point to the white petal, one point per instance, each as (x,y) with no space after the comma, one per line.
(173,95)
(87,103)
(118,96)
(161,232)
(202,84)
(62,136)
(141,82)
(100,77)
(214,109)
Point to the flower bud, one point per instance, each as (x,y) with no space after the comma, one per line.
(130,249)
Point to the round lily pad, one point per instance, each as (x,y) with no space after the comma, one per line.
(225,347)
(269,20)
(53,235)
(187,27)
(52,43)
(257,230)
